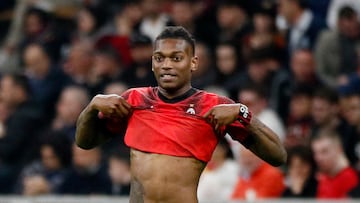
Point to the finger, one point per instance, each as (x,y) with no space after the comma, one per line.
(208,113)
(124,103)
(210,119)
(122,110)
(217,126)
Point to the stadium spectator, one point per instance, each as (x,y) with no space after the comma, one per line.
(300,174)
(45,174)
(303,25)
(155,19)
(119,172)
(298,122)
(350,108)
(88,174)
(71,102)
(78,63)
(233,23)
(219,176)
(255,98)
(228,70)
(206,72)
(250,183)
(139,72)
(336,178)
(18,145)
(107,67)
(46,78)
(335,51)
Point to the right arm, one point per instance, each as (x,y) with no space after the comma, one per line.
(91,130)
(262,141)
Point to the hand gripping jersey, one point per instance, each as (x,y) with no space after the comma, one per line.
(175,128)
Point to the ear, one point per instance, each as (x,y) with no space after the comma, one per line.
(194,63)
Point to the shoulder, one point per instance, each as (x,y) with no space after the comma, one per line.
(215,98)
(138,91)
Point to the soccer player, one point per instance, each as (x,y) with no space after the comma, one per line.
(172,129)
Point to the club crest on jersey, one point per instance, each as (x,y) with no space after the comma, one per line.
(191,109)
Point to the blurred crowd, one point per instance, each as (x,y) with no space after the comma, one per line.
(294,63)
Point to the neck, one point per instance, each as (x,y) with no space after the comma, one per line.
(296,16)
(172,93)
(340,165)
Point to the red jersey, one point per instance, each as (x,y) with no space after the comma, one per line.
(175,128)
(265,182)
(338,186)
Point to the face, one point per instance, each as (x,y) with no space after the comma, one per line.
(300,106)
(226,59)
(70,105)
(105,65)
(258,71)
(248,160)
(33,24)
(349,27)
(85,21)
(326,152)
(182,13)
(79,60)
(151,7)
(286,9)
(36,61)
(299,168)
(49,158)
(141,54)
(203,54)
(132,12)
(173,63)
(85,159)
(262,23)
(252,101)
(322,111)
(229,16)
(302,65)
(7,91)
(119,170)
(351,109)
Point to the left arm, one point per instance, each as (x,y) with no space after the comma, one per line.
(261,140)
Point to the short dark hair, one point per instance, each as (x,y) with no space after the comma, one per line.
(20,80)
(304,153)
(177,32)
(328,94)
(327,133)
(259,90)
(346,12)
(60,144)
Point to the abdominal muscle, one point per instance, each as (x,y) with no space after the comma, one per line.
(158,178)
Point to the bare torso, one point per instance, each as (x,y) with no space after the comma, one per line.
(158,178)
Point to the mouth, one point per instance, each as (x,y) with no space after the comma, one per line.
(167,76)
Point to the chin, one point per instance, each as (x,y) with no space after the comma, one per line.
(168,87)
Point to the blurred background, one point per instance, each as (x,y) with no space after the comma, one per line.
(294,63)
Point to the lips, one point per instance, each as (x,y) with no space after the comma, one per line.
(167,76)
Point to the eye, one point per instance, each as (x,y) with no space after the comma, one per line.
(158,58)
(177,58)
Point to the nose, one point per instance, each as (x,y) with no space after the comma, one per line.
(167,63)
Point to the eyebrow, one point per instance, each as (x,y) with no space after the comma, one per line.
(171,53)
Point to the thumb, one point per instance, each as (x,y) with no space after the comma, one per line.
(208,113)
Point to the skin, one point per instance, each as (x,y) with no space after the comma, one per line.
(156,177)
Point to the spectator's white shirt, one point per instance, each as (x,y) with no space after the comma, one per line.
(297,31)
(270,118)
(152,28)
(217,185)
